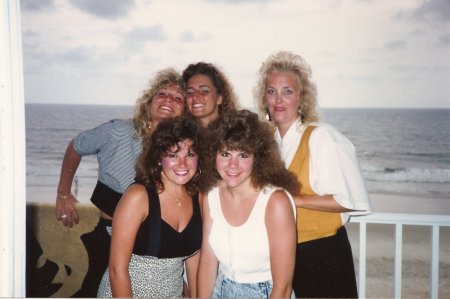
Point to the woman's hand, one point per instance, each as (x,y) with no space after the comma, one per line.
(66,210)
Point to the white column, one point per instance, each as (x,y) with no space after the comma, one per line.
(12,153)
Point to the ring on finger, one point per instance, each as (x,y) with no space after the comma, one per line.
(63,216)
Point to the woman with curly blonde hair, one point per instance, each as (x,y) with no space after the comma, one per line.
(332,187)
(117,145)
(145,119)
(208,92)
(249,238)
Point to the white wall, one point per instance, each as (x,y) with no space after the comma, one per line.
(12,153)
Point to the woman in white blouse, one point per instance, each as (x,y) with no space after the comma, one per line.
(249,237)
(332,187)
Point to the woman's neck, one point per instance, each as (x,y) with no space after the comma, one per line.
(245,190)
(172,188)
(283,128)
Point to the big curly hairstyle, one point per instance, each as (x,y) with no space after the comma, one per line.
(141,118)
(220,82)
(285,61)
(242,130)
(166,135)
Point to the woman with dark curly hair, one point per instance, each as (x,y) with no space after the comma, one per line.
(248,213)
(327,168)
(157,223)
(209,93)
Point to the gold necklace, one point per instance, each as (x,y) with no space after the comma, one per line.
(177,199)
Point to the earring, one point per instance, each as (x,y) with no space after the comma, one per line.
(268,118)
(300,112)
(149,124)
(197,175)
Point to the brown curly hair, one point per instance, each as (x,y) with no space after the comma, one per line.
(242,130)
(167,134)
(141,118)
(285,61)
(220,82)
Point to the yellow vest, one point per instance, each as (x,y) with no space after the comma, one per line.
(311,224)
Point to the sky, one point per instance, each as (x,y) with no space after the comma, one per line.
(363,53)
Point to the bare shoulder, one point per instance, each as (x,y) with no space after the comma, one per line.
(136,194)
(135,190)
(279,202)
(279,196)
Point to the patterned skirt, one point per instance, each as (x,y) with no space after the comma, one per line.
(151,277)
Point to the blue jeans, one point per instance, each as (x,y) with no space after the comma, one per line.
(227,288)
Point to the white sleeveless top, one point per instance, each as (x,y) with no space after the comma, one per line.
(242,251)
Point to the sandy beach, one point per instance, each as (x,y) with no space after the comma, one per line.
(380,244)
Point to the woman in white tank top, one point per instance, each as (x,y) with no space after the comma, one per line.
(249,230)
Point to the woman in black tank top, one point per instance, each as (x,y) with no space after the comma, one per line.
(157,223)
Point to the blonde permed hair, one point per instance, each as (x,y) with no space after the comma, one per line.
(142,118)
(285,61)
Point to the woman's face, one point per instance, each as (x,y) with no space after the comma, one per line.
(168,102)
(202,98)
(282,97)
(179,164)
(235,167)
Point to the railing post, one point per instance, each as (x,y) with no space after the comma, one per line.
(362,259)
(398,260)
(434,283)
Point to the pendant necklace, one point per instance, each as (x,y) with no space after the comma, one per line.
(177,200)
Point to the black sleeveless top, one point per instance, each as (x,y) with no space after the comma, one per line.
(157,238)
(105,198)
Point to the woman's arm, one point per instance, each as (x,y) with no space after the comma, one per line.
(208,264)
(281,231)
(325,203)
(191,272)
(130,213)
(192,262)
(334,174)
(65,201)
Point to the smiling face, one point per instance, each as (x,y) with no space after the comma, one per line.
(235,167)
(168,102)
(179,163)
(282,97)
(202,99)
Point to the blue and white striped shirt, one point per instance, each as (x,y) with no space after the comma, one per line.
(117,149)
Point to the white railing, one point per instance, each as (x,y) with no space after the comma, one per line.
(434,221)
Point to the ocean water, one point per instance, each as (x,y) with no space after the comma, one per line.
(401,151)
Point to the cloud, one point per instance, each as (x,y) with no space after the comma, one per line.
(444,40)
(79,55)
(190,37)
(110,9)
(434,10)
(38,61)
(396,45)
(35,6)
(144,34)
(187,37)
